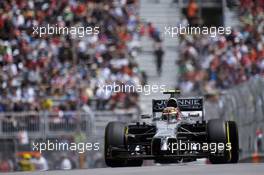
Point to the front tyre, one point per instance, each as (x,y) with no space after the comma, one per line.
(233,138)
(115,137)
(223,132)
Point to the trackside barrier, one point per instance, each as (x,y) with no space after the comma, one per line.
(49,124)
(245,105)
(44,124)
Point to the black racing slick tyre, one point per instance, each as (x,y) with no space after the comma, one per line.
(216,130)
(115,137)
(220,131)
(233,138)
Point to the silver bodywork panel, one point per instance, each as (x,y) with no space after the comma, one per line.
(166,130)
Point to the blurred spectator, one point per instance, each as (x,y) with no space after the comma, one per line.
(65,163)
(25,163)
(6,164)
(192,13)
(40,162)
(42,73)
(259,140)
(211,63)
(159,52)
(155,36)
(153,32)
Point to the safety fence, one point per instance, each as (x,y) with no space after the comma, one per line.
(245,105)
(43,124)
(69,126)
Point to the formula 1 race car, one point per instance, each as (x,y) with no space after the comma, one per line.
(178,134)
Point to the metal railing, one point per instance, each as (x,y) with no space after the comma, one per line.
(42,124)
(52,124)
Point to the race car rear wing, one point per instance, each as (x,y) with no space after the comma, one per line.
(185,105)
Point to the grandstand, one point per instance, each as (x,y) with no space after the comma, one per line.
(56,72)
(208,64)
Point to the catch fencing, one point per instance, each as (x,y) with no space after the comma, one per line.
(50,124)
(70,125)
(245,105)
(44,124)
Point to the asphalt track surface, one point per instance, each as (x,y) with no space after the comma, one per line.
(178,169)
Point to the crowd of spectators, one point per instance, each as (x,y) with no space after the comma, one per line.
(208,64)
(63,72)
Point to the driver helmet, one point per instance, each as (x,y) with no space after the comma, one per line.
(170,114)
